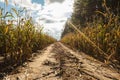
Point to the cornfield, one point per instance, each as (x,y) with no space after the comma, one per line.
(19,38)
(104,34)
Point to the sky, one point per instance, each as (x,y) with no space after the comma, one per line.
(51,14)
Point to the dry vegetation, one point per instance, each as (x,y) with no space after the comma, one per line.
(18,41)
(105,35)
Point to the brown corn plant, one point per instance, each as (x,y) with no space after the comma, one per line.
(105,35)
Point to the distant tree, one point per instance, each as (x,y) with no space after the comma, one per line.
(66,30)
(84,10)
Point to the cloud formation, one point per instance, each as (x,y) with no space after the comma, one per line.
(27,3)
(52,1)
(54,15)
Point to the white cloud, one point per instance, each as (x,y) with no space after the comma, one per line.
(31,7)
(54,29)
(52,1)
(27,3)
(54,15)
(1,0)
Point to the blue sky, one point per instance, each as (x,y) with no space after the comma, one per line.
(39,1)
(51,14)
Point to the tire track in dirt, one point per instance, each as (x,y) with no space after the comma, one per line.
(57,62)
(78,66)
(38,69)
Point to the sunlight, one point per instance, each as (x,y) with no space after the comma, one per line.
(59,39)
(52,12)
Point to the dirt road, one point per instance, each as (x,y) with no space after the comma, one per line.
(57,62)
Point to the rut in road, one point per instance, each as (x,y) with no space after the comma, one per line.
(57,62)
